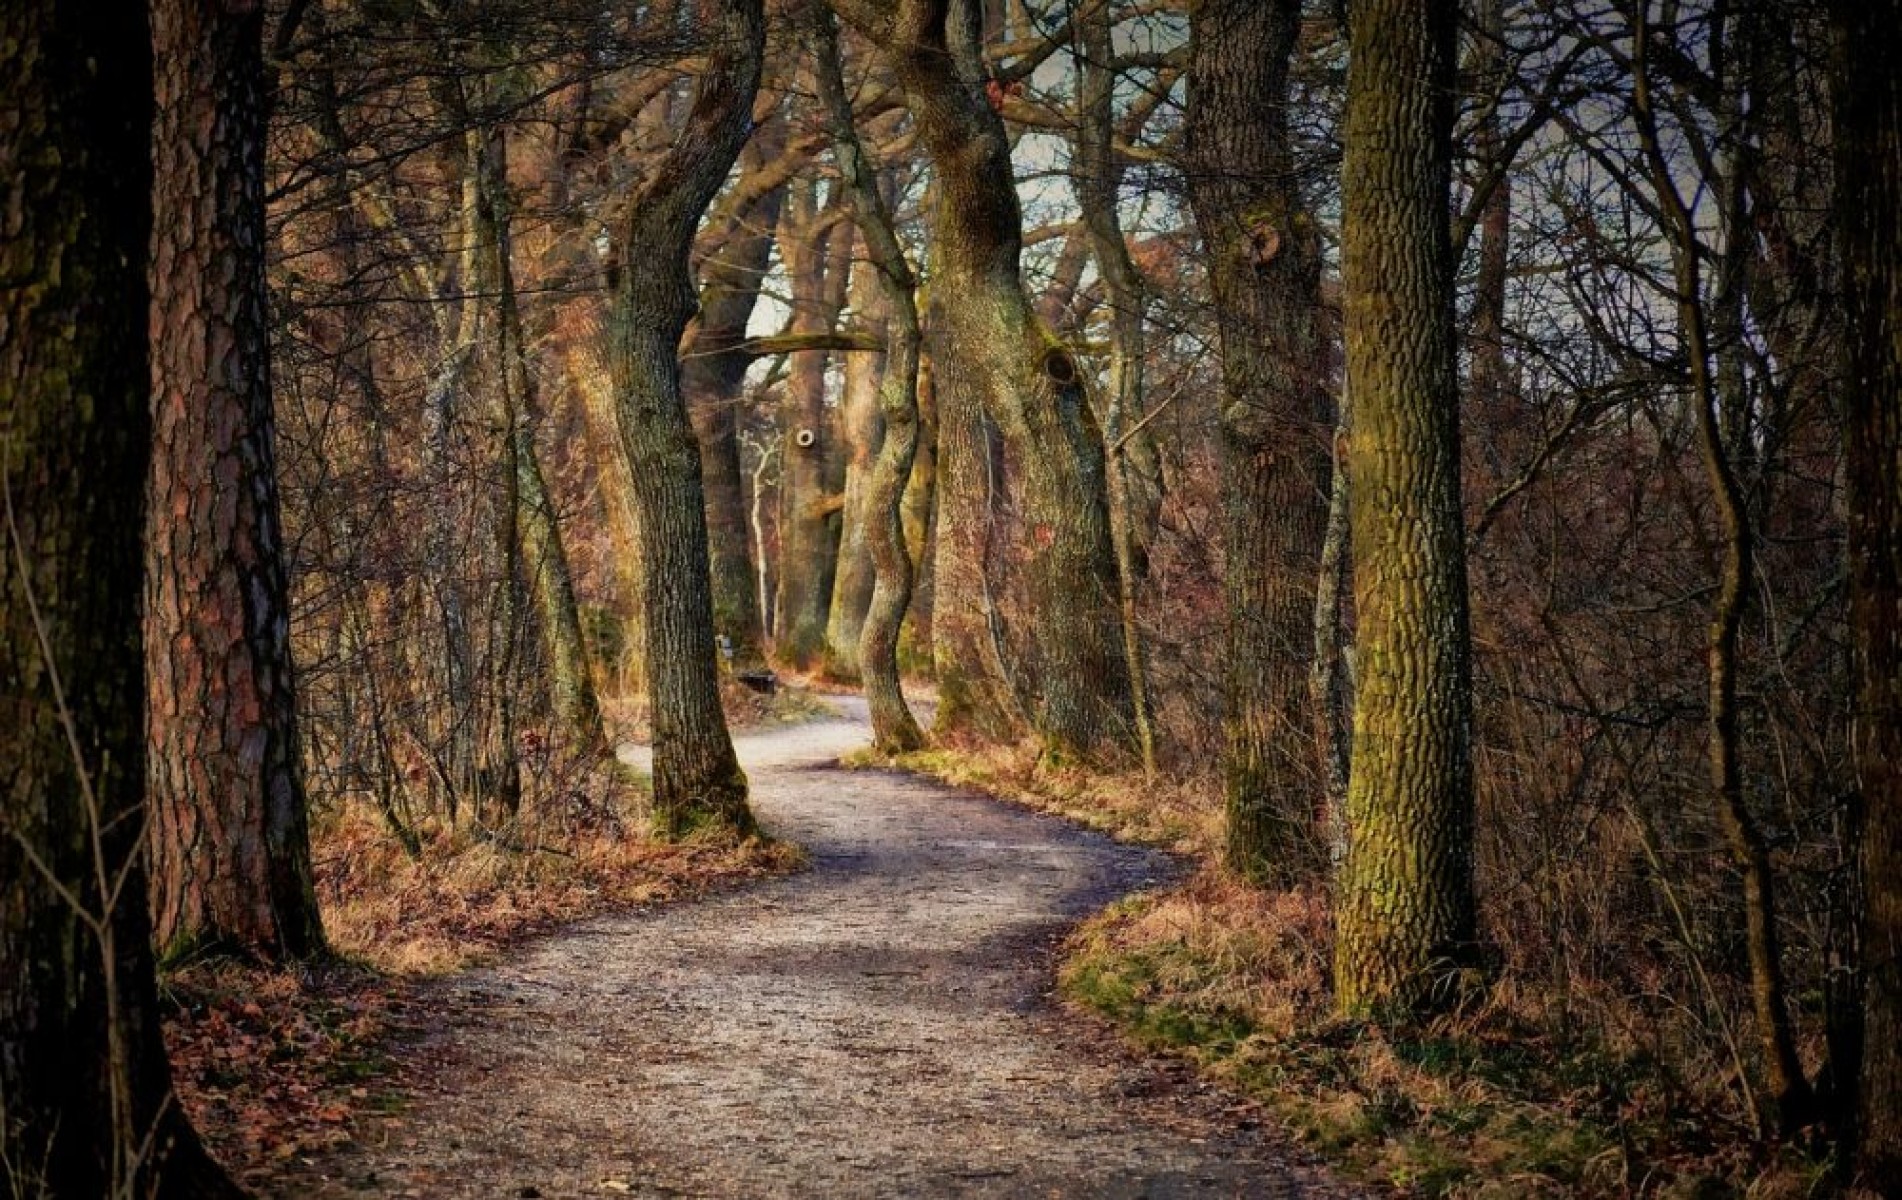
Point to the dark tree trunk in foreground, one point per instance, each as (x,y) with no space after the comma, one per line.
(1868,100)
(894,729)
(1405,910)
(85,1092)
(697,779)
(1264,271)
(993,357)
(230,851)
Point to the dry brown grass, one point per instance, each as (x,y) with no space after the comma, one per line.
(1529,1091)
(1494,1101)
(472,890)
(1177,814)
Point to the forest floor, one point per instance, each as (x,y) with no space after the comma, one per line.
(882,1023)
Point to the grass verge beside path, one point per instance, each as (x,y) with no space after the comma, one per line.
(1523,1096)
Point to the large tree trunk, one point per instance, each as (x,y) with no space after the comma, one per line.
(994,357)
(713,375)
(84,1083)
(1264,271)
(1405,911)
(230,850)
(894,729)
(697,779)
(1868,104)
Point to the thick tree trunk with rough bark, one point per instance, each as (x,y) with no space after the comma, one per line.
(1404,906)
(85,1093)
(697,778)
(230,849)
(993,357)
(1868,105)
(1265,273)
(894,729)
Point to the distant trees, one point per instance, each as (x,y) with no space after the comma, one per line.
(997,366)
(230,849)
(697,779)
(1405,915)
(85,1092)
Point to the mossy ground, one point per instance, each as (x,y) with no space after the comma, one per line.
(1517,1095)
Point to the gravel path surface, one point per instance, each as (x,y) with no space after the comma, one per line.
(879,1025)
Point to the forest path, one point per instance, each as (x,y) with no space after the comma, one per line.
(877,1025)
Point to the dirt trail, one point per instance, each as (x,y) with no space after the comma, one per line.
(878,1025)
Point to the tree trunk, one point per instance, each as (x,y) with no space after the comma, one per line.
(816,263)
(230,849)
(1868,105)
(1099,194)
(993,356)
(862,423)
(85,1091)
(543,558)
(697,779)
(894,729)
(1264,271)
(1405,912)
(1707,356)
(713,374)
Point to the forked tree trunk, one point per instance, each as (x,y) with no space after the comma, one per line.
(230,850)
(1868,106)
(1265,273)
(994,357)
(1404,915)
(697,778)
(894,729)
(85,1093)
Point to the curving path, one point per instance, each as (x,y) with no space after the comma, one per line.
(879,1025)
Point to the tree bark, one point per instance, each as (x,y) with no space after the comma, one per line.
(230,848)
(993,357)
(1405,912)
(85,1091)
(1868,108)
(894,729)
(1265,273)
(815,248)
(697,778)
(862,425)
(712,374)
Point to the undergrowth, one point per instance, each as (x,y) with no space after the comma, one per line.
(1520,1096)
